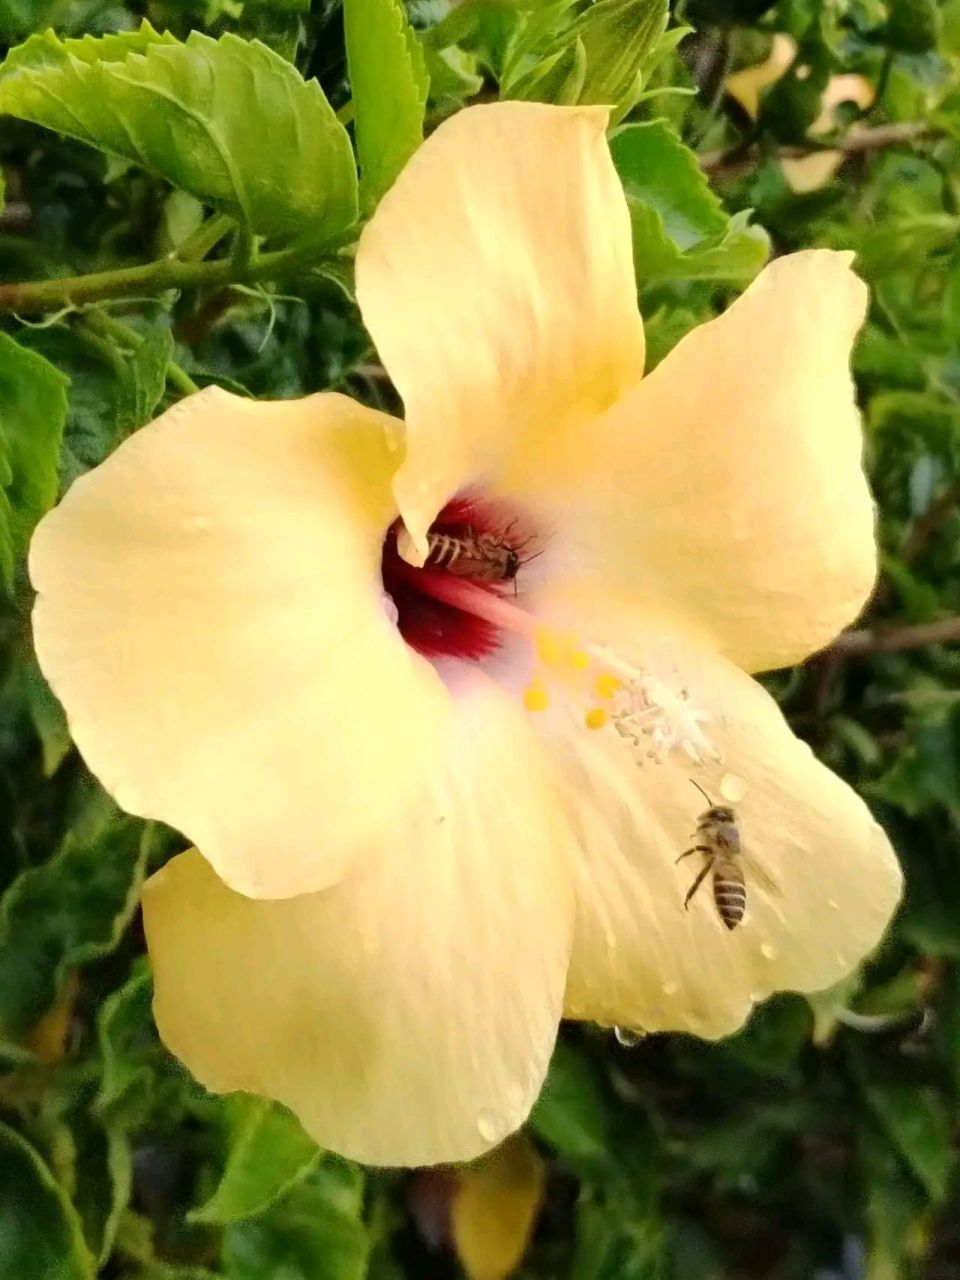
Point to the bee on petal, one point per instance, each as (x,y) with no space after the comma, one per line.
(718,839)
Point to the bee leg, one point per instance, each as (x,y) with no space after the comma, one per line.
(701,875)
(697,848)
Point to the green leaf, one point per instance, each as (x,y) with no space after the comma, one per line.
(40,1235)
(269,1153)
(388,78)
(129,1047)
(113,390)
(33,409)
(102,1179)
(315,1230)
(617,36)
(227,120)
(65,913)
(680,229)
(569,1114)
(917,1123)
(46,715)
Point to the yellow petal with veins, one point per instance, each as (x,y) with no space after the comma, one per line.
(210,615)
(822,880)
(406,1015)
(496,279)
(728,488)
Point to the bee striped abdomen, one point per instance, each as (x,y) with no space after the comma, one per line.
(443,550)
(729,891)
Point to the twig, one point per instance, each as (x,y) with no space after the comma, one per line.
(890,639)
(856,142)
(34,296)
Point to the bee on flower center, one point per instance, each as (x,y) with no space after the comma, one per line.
(718,840)
(482,556)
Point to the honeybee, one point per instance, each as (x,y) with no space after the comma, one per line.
(718,839)
(475,555)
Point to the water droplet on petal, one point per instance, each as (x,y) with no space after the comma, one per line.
(755,997)
(732,788)
(670,988)
(611,940)
(833,904)
(490,1126)
(628,1038)
(768,950)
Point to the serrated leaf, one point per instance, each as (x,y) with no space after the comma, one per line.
(316,1229)
(40,1234)
(389,82)
(33,409)
(64,913)
(190,112)
(268,1154)
(680,229)
(617,36)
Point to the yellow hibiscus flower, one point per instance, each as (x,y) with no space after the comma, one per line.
(440,807)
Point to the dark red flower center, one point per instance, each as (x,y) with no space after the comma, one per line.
(476,542)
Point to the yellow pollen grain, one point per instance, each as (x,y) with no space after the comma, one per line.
(607,685)
(549,648)
(579,659)
(535,698)
(596,718)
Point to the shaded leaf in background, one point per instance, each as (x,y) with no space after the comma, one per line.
(268,1153)
(184,112)
(40,1235)
(129,1047)
(680,229)
(33,409)
(112,390)
(65,913)
(315,1230)
(388,78)
(916,1122)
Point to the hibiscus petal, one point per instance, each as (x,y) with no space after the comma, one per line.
(728,487)
(496,279)
(822,880)
(210,615)
(406,1015)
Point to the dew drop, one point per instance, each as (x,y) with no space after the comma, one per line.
(489,1125)
(768,950)
(732,788)
(833,904)
(755,997)
(199,523)
(611,940)
(629,1039)
(670,988)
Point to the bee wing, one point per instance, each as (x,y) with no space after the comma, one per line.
(757,873)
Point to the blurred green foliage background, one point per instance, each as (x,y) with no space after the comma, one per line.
(819,1142)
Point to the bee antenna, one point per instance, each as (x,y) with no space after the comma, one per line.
(701,790)
(535,556)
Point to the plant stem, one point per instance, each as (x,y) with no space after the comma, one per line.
(35,296)
(205,239)
(890,639)
(858,141)
(180,379)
